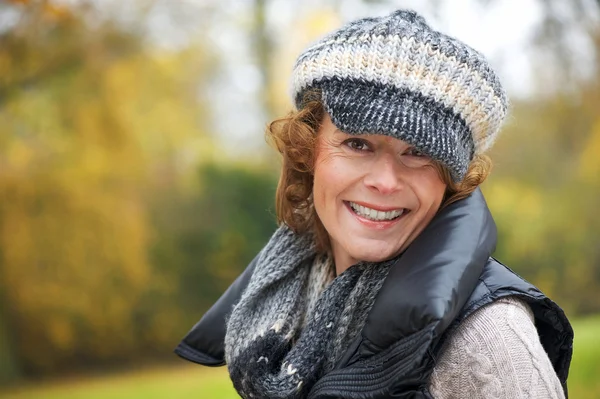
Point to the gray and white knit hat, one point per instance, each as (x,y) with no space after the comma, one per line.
(397,76)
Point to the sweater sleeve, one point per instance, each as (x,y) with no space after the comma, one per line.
(496,353)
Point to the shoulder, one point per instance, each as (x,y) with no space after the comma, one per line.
(496,353)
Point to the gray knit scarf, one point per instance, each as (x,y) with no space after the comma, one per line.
(294,321)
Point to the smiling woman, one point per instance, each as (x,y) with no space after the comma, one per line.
(340,158)
(374,194)
(309,133)
(379,282)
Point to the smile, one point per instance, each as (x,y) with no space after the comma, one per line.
(374,214)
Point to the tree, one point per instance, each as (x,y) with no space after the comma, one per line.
(91,125)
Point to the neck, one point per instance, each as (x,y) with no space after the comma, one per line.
(341,259)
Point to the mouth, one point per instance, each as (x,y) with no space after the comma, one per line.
(376,215)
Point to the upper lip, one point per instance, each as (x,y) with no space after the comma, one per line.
(378,207)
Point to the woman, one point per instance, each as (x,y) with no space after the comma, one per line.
(379,281)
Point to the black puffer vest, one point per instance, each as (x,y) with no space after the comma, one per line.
(444,276)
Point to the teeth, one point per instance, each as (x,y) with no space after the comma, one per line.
(375,214)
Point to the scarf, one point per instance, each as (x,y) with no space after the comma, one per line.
(294,321)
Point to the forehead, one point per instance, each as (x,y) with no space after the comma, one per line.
(392,140)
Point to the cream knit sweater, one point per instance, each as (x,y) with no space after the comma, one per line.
(496,353)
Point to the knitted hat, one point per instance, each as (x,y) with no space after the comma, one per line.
(395,75)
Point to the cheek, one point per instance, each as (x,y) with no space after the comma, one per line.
(430,190)
(332,177)
(325,178)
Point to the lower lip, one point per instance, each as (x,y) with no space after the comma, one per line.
(375,224)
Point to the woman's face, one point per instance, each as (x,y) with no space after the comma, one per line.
(374,194)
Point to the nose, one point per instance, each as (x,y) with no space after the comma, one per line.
(385,174)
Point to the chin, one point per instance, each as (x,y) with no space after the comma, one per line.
(375,254)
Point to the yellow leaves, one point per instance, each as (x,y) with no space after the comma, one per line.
(547,281)
(121,82)
(93,128)
(73,259)
(61,332)
(56,12)
(19,155)
(523,207)
(589,163)
(49,9)
(18,236)
(77,156)
(164,326)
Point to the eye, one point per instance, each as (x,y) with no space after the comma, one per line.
(357,144)
(414,152)
(415,158)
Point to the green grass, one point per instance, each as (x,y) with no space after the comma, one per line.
(171,383)
(584,381)
(205,383)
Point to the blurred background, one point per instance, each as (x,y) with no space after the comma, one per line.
(135,182)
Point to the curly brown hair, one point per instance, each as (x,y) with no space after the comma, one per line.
(295,137)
